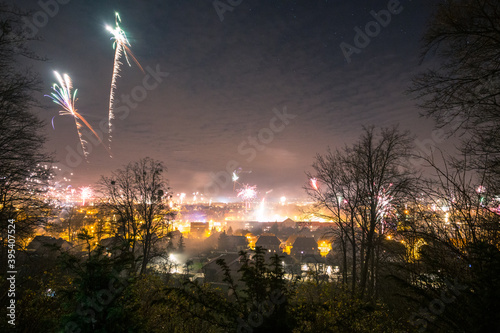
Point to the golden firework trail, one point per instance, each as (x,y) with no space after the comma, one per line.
(122,47)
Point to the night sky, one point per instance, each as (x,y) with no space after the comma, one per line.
(224,80)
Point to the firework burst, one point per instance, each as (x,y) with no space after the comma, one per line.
(247,193)
(86,193)
(65,97)
(314,183)
(122,48)
(384,205)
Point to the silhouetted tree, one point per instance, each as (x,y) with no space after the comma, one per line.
(72,218)
(222,241)
(452,250)
(138,194)
(274,229)
(181,246)
(357,187)
(93,300)
(461,90)
(23,171)
(257,302)
(22,175)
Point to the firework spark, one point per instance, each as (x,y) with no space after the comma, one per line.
(247,192)
(122,47)
(235,176)
(314,183)
(86,193)
(64,97)
(384,205)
